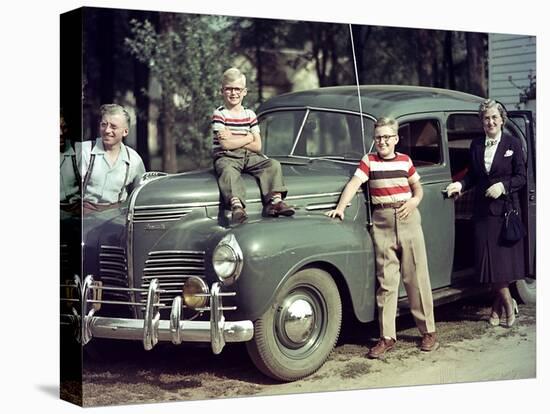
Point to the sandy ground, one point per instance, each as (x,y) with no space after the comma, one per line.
(470,351)
(494,356)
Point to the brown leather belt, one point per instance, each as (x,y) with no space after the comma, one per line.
(387,205)
(88,207)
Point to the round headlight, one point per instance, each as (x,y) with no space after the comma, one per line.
(227,259)
(193,290)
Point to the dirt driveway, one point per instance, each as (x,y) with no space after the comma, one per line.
(471,351)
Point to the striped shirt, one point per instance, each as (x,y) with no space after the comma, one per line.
(240,124)
(389,180)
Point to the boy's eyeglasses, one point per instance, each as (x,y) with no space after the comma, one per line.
(386,138)
(237,91)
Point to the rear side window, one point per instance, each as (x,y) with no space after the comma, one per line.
(461,129)
(421,140)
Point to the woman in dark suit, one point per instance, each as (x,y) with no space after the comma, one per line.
(497,171)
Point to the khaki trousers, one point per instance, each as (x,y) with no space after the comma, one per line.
(230,167)
(401,251)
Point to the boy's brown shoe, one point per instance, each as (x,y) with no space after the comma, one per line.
(381,348)
(238,215)
(429,342)
(279,209)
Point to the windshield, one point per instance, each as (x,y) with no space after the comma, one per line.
(322,134)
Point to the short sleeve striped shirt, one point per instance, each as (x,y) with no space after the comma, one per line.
(242,124)
(389,180)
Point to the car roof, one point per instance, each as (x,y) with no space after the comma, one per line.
(378,100)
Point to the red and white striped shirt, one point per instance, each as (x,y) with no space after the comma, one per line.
(240,124)
(389,180)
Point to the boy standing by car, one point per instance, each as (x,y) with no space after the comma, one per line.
(396,192)
(237,149)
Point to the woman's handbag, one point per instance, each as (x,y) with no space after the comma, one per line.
(513,229)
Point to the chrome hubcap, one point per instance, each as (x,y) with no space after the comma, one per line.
(297,324)
(299,321)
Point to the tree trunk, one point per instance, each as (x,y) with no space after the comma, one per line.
(141,93)
(334,69)
(169,159)
(259,62)
(425,57)
(105,47)
(141,85)
(360,37)
(449,62)
(477,69)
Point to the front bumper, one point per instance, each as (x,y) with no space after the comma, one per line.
(151,329)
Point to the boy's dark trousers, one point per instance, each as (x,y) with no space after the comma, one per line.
(230,166)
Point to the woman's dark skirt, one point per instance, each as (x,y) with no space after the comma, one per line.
(495,261)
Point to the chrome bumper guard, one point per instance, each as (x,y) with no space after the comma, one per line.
(152,329)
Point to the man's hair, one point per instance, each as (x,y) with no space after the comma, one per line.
(491,103)
(114,109)
(232,75)
(387,121)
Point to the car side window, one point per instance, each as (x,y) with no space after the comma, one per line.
(279,130)
(331,134)
(421,140)
(461,129)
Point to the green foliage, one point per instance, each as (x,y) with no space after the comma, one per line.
(187,54)
(528,91)
(183,55)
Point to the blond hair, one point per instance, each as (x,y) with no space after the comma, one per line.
(387,121)
(114,109)
(232,75)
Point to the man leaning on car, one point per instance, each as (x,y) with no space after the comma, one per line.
(110,169)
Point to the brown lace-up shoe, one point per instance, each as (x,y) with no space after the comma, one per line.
(429,342)
(381,348)
(279,209)
(238,215)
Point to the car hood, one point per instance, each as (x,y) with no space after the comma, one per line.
(301,177)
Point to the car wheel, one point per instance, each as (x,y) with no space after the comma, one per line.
(526,290)
(295,336)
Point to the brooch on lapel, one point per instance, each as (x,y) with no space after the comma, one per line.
(508,153)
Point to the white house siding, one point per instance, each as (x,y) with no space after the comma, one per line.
(510,55)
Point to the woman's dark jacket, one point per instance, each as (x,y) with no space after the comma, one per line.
(508,167)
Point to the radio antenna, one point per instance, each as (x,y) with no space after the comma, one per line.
(358,88)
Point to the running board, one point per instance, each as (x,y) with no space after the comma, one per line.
(445,295)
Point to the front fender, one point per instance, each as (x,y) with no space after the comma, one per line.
(275,249)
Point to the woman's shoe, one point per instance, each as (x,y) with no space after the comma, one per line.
(495,317)
(511,319)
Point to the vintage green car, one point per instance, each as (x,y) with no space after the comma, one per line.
(169,266)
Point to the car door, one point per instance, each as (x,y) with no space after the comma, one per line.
(522,126)
(420,137)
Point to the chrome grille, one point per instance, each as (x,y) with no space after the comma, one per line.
(159,213)
(171,268)
(113,271)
